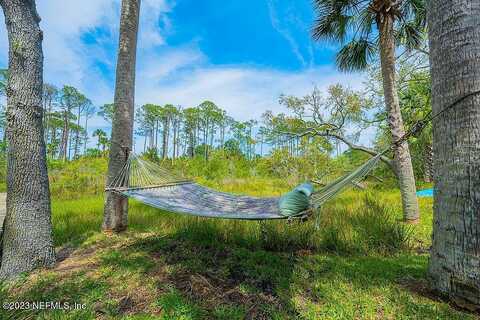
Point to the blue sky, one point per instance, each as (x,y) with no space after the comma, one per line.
(240,54)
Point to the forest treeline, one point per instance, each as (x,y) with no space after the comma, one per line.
(171,131)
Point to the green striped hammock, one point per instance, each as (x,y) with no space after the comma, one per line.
(155,186)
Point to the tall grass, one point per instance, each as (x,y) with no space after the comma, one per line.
(354,223)
(366,226)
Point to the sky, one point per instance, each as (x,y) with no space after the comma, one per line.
(240,54)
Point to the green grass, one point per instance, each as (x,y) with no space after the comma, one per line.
(362,263)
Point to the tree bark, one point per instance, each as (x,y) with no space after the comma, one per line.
(27,238)
(454,29)
(402,159)
(116,206)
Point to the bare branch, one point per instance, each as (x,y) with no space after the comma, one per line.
(351,145)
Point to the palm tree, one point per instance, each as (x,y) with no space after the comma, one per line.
(116,206)
(364,28)
(454,32)
(27,232)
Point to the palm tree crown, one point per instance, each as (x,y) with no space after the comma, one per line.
(355,24)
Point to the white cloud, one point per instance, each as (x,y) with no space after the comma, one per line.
(154,22)
(68,60)
(285,33)
(181,75)
(63,23)
(244,91)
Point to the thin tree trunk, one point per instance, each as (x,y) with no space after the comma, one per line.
(205,141)
(86,134)
(77,136)
(174,139)
(155,128)
(64,141)
(145,142)
(403,162)
(151,134)
(165,138)
(69,149)
(454,28)
(53,141)
(116,206)
(27,237)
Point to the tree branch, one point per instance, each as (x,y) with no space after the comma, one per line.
(351,145)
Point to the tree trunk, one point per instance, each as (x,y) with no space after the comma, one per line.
(455,63)
(77,136)
(205,141)
(86,135)
(65,134)
(27,237)
(116,206)
(53,141)
(165,137)
(145,142)
(155,128)
(402,159)
(174,125)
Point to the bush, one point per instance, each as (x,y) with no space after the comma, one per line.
(74,179)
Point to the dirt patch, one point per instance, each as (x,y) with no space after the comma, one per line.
(212,291)
(419,287)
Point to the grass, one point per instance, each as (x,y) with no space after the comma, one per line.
(362,263)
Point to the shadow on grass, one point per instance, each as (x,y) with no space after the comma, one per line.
(176,267)
(187,275)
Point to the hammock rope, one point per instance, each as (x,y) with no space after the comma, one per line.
(158,187)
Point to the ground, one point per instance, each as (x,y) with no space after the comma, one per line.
(168,266)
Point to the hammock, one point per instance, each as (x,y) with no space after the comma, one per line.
(153,185)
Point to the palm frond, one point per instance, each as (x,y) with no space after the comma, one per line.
(356,55)
(335,19)
(410,35)
(355,22)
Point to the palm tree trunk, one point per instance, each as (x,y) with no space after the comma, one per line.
(27,237)
(402,159)
(455,63)
(116,206)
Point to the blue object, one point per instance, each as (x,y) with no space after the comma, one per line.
(425,193)
(305,188)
